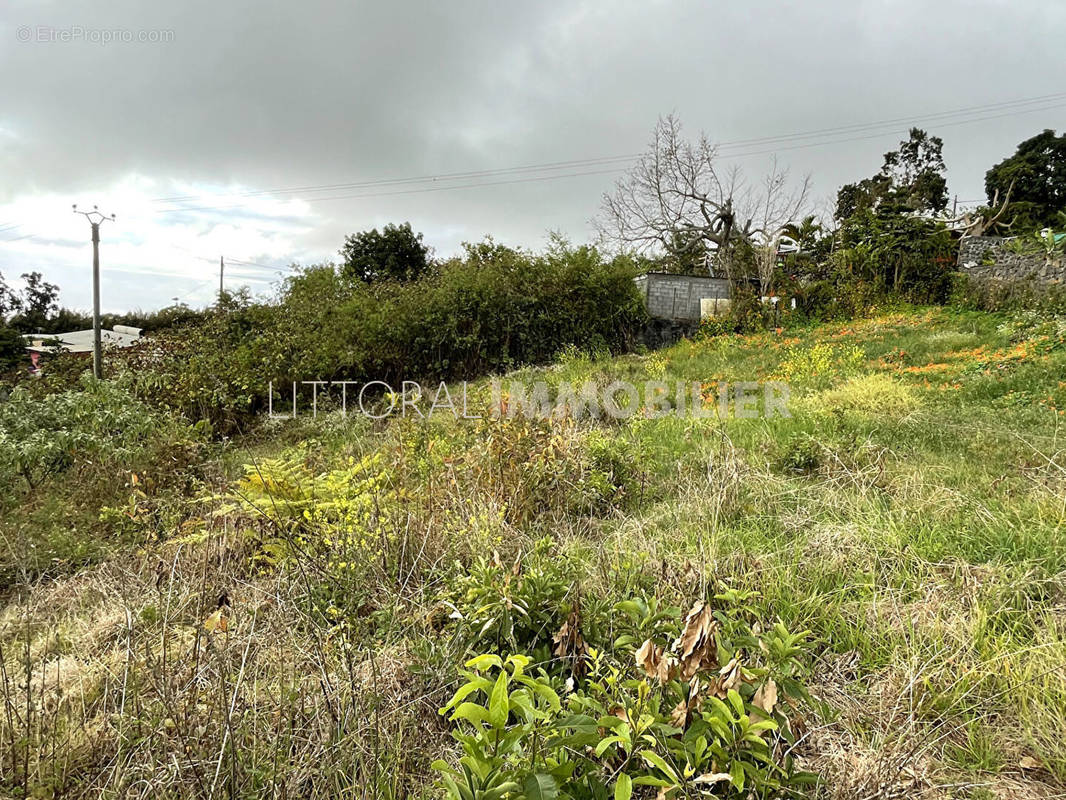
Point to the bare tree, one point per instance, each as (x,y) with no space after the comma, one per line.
(778,205)
(676,201)
(982,220)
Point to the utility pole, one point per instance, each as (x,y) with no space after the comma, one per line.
(221,270)
(95,218)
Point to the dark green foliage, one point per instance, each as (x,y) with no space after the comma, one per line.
(746,314)
(491,310)
(64,319)
(216,369)
(906,255)
(839,298)
(853,198)
(806,233)
(988,294)
(1037,171)
(911,179)
(618,727)
(884,250)
(9,300)
(67,319)
(881,256)
(36,305)
(396,253)
(44,434)
(12,351)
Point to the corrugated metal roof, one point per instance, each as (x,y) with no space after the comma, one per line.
(81,341)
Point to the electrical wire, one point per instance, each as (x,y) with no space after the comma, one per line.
(537,178)
(253,264)
(1015,106)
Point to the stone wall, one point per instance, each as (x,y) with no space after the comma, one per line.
(987,257)
(677,297)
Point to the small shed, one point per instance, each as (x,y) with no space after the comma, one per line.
(682,297)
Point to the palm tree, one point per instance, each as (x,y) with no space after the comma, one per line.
(805,234)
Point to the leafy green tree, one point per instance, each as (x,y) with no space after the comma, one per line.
(911,179)
(1037,172)
(37,304)
(395,253)
(12,349)
(908,255)
(9,299)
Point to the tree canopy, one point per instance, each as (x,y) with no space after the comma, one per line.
(9,299)
(1037,171)
(395,253)
(911,179)
(33,307)
(679,201)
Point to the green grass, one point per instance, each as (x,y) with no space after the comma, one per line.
(909,513)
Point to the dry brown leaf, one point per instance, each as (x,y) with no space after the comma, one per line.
(648,658)
(655,663)
(218,621)
(570,644)
(682,711)
(766,697)
(690,574)
(1028,762)
(696,647)
(729,677)
(713,777)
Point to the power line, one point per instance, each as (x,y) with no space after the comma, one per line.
(912,118)
(415,191)
(551,165)
(536,178)
(19,238)
(1016,106)
(195,289)
(253,264)
(950,124)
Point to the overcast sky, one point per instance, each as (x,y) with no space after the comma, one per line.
(221,100)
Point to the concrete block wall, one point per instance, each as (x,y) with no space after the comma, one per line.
(677,297)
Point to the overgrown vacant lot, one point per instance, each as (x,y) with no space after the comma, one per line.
(285,615)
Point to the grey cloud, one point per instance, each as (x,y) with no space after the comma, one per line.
(273,94)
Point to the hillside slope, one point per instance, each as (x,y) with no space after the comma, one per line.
(290,622)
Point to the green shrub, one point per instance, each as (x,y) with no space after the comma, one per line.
(746,314)
(711,712)
(839,298)
(512,607)
(12,350)
(973,293)
(489,311)
(868,394)
(41,435)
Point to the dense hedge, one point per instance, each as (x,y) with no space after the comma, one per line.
(488,311)
(989,294)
